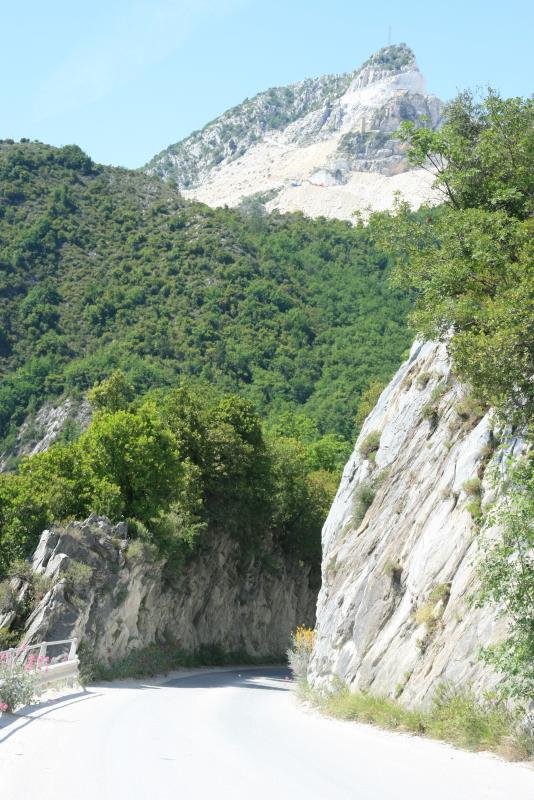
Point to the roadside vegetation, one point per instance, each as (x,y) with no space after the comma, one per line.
(18,686)
(455,715)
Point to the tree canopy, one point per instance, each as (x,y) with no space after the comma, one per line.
(104,269)
(470,261)
(178,464)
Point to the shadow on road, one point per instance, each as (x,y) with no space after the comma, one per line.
(28,714)
(270,679)
(240,679)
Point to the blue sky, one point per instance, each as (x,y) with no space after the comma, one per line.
(125,78)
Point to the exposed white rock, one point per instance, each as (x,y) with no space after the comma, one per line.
(41,430)
(326,146)
(414,548)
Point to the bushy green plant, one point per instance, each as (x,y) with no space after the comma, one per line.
(506,572)
(470,408)
(440,592)
(363,499)
(364,707)
(8,638)
(17,685)
(474,507)
(20,569)
(472,486)
(422,379)
(459,717)
(456,716)
(77,576)
(370,444)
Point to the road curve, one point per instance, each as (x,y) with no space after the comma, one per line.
(235,734)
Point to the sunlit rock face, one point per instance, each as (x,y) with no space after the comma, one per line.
(48,425)
(400,545)
(326,146)
(126,597)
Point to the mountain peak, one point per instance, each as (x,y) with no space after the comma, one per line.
(326,146)
(392,58)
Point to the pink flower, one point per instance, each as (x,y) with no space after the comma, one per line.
(3,706)
(31,662)
(42,662)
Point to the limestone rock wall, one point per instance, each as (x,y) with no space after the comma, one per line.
(400,544)
(128,600)
(42,429)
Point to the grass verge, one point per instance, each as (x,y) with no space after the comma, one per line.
(455,716)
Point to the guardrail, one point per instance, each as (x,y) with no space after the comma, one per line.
(46,667)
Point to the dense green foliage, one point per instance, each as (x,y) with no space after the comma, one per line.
(507,578)
(105,268)
(472,267)
(178,464)
(471,264)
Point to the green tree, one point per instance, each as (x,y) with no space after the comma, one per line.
(507,576)
(482,156)
(22,517)
(137,454)
(471,261)
(299,501)
(113,394)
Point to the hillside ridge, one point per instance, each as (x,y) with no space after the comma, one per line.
(325,146)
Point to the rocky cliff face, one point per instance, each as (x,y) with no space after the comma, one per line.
(123,598)
(325,146)
(42,429)
(400,542)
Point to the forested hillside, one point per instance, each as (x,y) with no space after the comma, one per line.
(104,268)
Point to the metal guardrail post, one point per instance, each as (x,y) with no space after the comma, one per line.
(72,651)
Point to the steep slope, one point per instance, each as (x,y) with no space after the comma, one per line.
(400,542)
(326,146)
(52,422)
(103,268)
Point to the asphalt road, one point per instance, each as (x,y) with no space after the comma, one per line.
(229,734)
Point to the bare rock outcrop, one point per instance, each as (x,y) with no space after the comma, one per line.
(401,542)
(42,429)
(116,596)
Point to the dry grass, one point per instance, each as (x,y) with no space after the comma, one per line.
(457,717)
